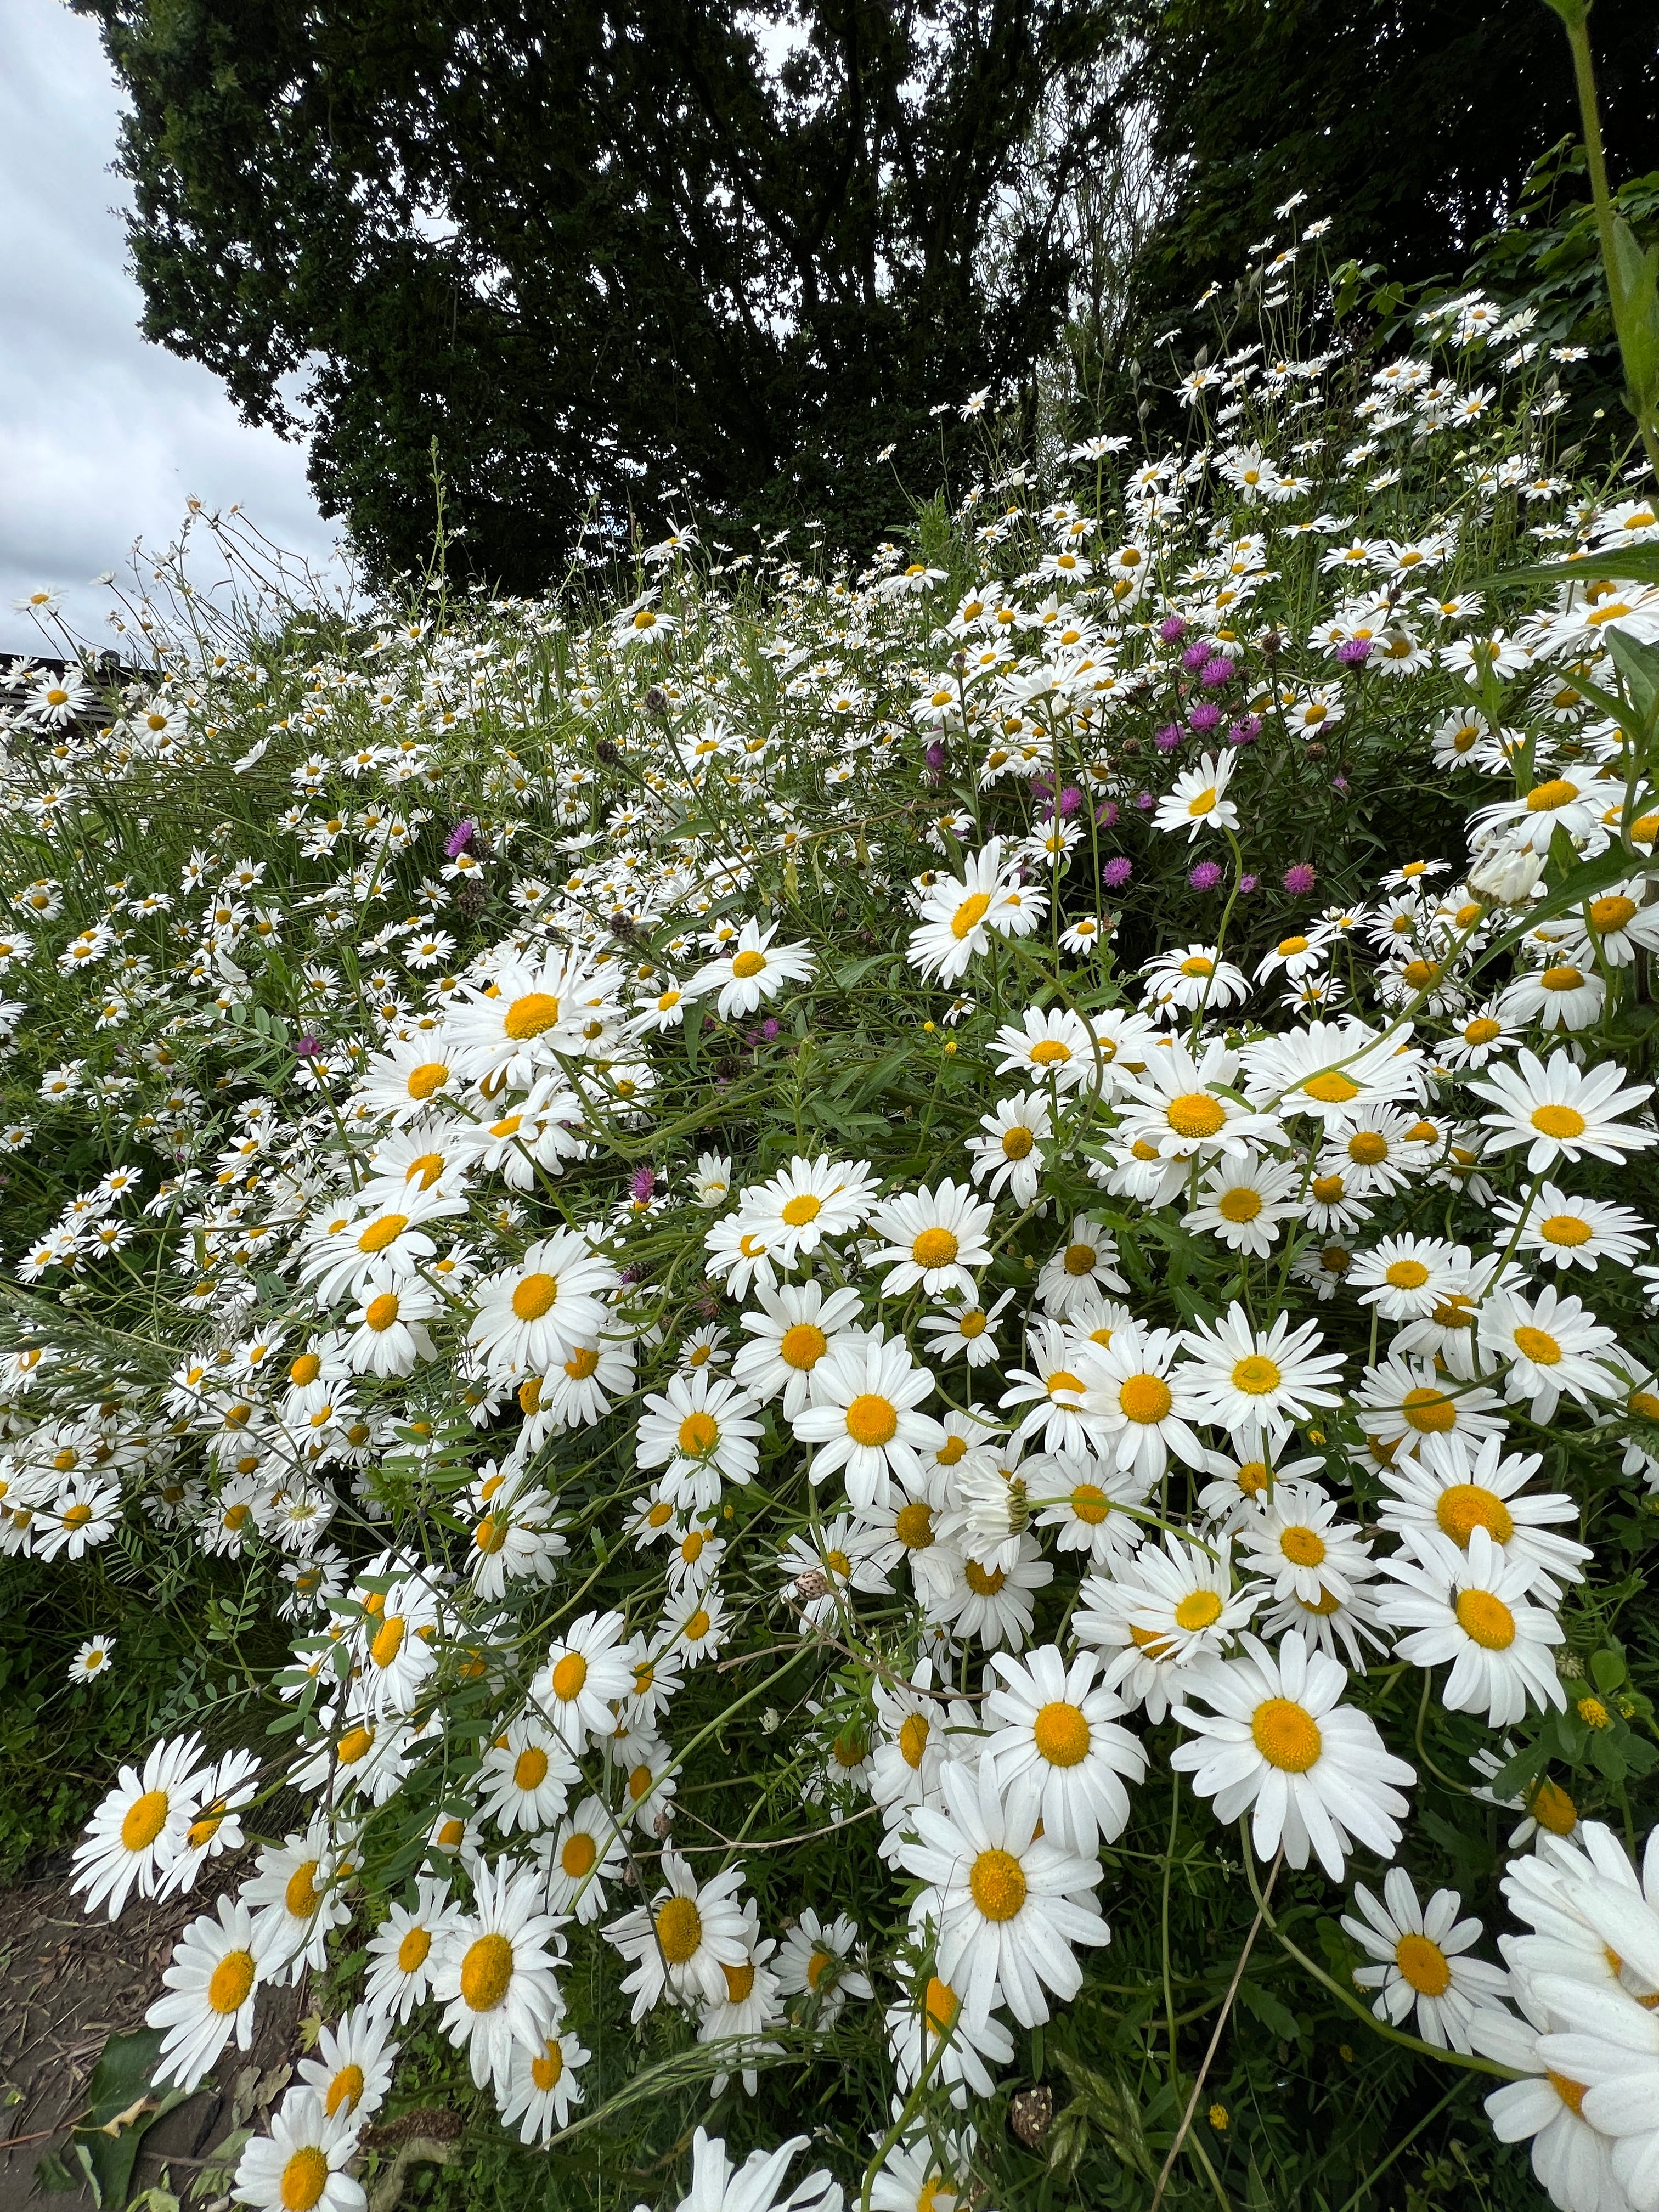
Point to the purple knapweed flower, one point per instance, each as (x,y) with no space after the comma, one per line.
(1169,737)
(641,1185)
(1171,628)
(1300,877)
(1247,883)
(459,838)
(1195,656)
(1117,873)
(307,1047)
(1245,732)
(1217,671)
(1204,718)
(1353,650)
(1206,876)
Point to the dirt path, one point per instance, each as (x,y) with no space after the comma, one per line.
(67,1984)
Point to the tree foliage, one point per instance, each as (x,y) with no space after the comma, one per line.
(1412,123)
(597,252)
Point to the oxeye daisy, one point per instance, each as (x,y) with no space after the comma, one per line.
(531,1317)
(863,1420)
(934,1237)
(1197,800)
(816,1962)
(225,1788)
(1551,1345)
(1008,1157)
(409,1080)
(740,1256)
(524,1777)
(352,2069)
(1056,1722)
(1568,1232)
(933,2015)
(796,1209)
(695,1624)
(995,1605)
(587,1670)
(92,1660)
(966,1330)
(1421,1964)
(1436,1499)
(1563,1111)
(757,2185)
(543,2085)
(495,1979)
(210,1981)
(1402,1401)
(1241,1202)
(1051,1390)
(1055,1046)
(1407,1276)
(1277,1739)
(819,1569)
(587,1851)
(405,1950)
(912,1742)
(959,915)
(679,1944)
(1136,1405)
(1159,1612)
(299,1889)
(141,1826)
(703,1430)
(1093,1506)
(795,1327)
(1237,1374)
(1572,2157)
(749,970)
(1180,1105)
(1082,1268)
(1296,1542)
(527,1018)
(1008,1906)
(1472,1609)
(297,2167)
(1330,1069)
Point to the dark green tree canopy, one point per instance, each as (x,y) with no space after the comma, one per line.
(599,252)
(1412,122)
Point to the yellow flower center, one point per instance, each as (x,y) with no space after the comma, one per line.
(1485,1619)
(1197,963)
(1286,1734)
(1466,1507)
(568,1676)
(491,1533)
(1553,1809)
(679,1930)
(1429,1411)
(533,1297)
(486,1972)
(529,1770)
(1089,1505)
(230,1982)
(870,1421)
(1548,797)
(304,2177)
(388,1640)
(413,1951)
(382,1232)
(381,1312)
(529,1016)
(912,1740)
(747,964)
(697,1627)
(1195,1113)
(802,1346)
(973,1323)
(699,1433)
(305,1369)
(981,1583)
(546,2071)
(1367,1148)
(1080,1260)
(1611,913)
(1538,1346)
(801,1209)
(968,914)
(423,1081)
(345,2090)
(1558,1121)
(146,1818)
(1406,1274)
(934,1248)
(1303,1547)
(1200,1608)
(1061,1735)
(1565,1229)
(579,1855)
(1424,1965)
(997,1884)
(1243,1204)
(914,1527)
(1145,1398)
(1017,1142)
(1256,1375)
(1570,2092)
(302,1897)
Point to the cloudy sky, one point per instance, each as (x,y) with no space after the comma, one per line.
(104,437)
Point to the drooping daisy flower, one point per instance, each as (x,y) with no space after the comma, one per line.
(816,1962)
(1008,1906)
(934,2015)
(1159,1613)
(1421,1962)
(1278,1739)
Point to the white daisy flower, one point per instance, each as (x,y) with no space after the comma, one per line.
(798,1324)
(524,1777)
(1160,1613)
(141,1826)
(495,1978)
(1056,1722)
(532,1317)
(352,2069)
(298,2166)
(934,1237)
(934,2015)
(1563,1111)
(680,1944)
(702,1430)
(586,1671)
(1471,1610)
(1053,1045)
(543,2085)
(1008,1156)
(1420,1958)
(816,1962)
(1008,1906)
(588,1850)
(863,1420)
(1239,1375)
(1278,1739)
(1436,1499)
(217,1967)
(405,1949)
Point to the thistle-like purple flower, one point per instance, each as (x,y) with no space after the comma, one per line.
(1206,876)
(1300,877)
(460,837)
(1117,873)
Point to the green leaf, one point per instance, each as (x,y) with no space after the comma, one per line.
(856,970)
(1637,314)
(1608,1671)
(1631,564)
(1638,665)
(1278,2019)
(121,2105)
